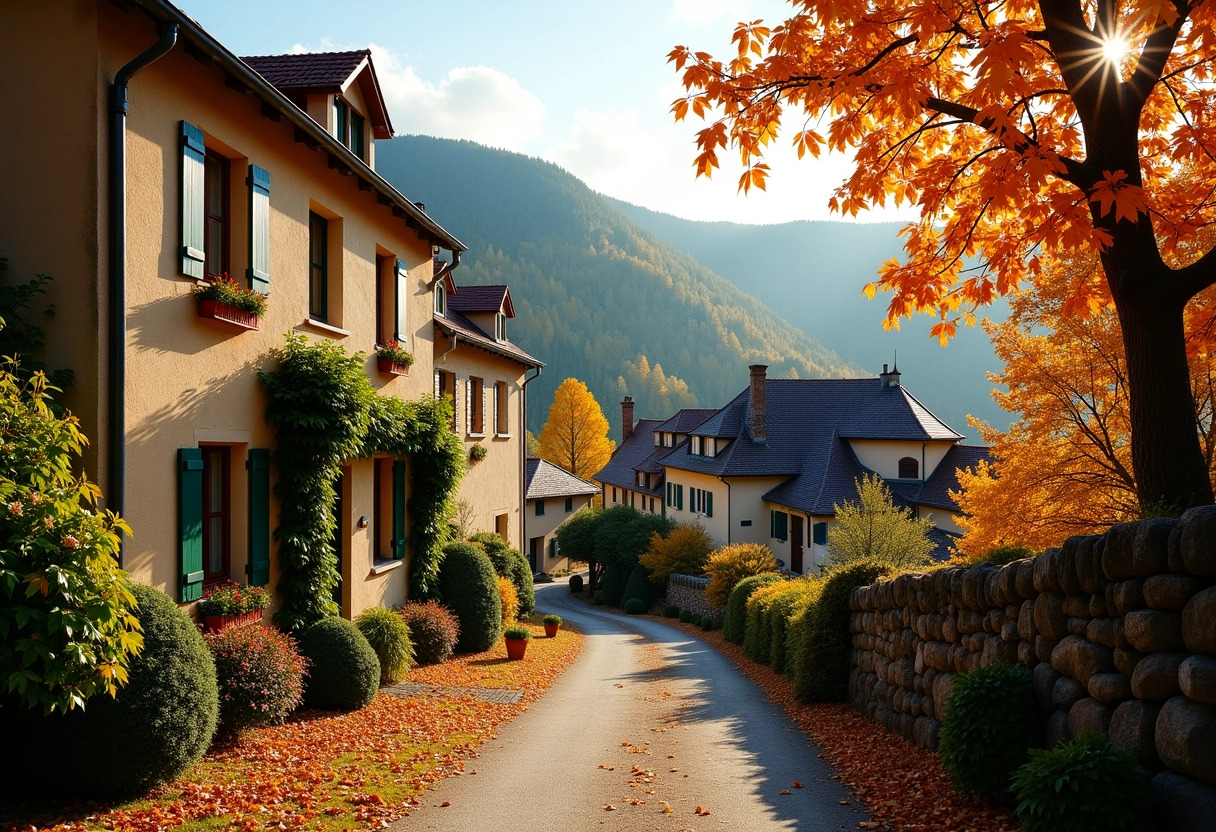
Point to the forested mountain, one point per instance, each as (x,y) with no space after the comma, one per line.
(597,297)
(813,272)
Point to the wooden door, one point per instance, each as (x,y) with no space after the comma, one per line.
(796,535)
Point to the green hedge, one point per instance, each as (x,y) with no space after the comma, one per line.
(734,623)
(468,586)
(823,670)
(511,564)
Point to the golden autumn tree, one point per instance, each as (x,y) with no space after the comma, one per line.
(1019,129)
(1064,467)
(575,436)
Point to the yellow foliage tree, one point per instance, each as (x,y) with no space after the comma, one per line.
(575,436)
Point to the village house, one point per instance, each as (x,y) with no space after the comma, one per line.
(150,160)
(552,496)
(770,466)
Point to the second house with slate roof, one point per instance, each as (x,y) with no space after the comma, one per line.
(771,465)
(552,496)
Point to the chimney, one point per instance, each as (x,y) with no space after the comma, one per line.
(889,378)
(755,421)
(626,419)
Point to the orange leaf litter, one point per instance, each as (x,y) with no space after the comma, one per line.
(336,771)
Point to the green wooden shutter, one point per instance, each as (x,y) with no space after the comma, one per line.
(401,302)
(820,533)
(668,493)
(772,522)
(398,509)
(781,528)
(193,240)
(680,497)
(190,523)
(709,504)
(258,567)
(259,230)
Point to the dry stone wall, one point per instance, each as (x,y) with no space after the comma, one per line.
(688,593)
(1117,630)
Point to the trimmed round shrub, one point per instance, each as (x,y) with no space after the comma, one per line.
(260,673)
(508,599)
(1082,785)
(989,726)
(695,620)
(433,630)
(510,563)
(343,673)
(708,623)
(671,611)
(636,606)
(388,634)
(552,619)
(160,724)
(824,668)
(639,586)
(576,584)
(468,586)
(686,616)
(731,564)
(734,622)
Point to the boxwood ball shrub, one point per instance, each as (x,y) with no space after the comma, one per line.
(707,623)
(989,725)
(343,673)
(639,586)
(695,620)
(736,604)
(161,722)
(636,606)
(1082,785)
(434,631)
(389,636)
(260,673)
(576,584)
(686,616)
(511,564)
(823,669)
(468,586)
(671,611)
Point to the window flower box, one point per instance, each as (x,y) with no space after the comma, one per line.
(232,605)
(215,623)
(392,368)
(223,299)
(226,312)
(392,359)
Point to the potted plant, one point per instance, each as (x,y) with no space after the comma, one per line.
(223,299)
(231,605)
(394,359)
(517,641)
(551,622)
(478,452)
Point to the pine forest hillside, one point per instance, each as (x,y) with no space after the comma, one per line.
(813,272)
(597,297)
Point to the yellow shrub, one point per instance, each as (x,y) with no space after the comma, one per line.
(683,551)
(510,601)
(731,564)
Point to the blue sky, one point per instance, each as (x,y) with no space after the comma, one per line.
(581,83)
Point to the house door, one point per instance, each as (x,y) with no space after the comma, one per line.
(796,535)
(534,548)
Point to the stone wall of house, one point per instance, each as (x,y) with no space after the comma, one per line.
(688,593)
(1118,631)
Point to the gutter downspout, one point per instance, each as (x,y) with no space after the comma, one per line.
(448,268)
(443,359)
(523,463)
(117,308)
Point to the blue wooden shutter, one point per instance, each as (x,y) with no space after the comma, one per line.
(259,516)
(259,230)
(190,523)
(820,533)
(398,509)
(193,240)
(401,302)
(709,504)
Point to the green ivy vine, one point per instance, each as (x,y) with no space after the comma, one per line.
(325,412)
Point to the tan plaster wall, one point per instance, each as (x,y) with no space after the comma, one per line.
(883,455)
(546,527)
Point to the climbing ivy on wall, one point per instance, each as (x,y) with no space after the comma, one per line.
(325,412)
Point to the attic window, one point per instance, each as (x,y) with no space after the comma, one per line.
(908,469)
(349,128)
(500,327)
(441,299)
(667,440)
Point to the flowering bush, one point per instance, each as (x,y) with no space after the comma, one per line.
(261,675)
(226,290)
(394,352)
(433,630)
(231,598)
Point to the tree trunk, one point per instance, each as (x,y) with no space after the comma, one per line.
(1166,459)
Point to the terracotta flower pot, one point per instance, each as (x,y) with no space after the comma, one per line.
(516,647)
(227,313)
(551,630)
(392,368)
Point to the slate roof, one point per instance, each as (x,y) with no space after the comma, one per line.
(309,70)
(685,420)
(453,323)
(633,452)
(943,544)
(482,299)
(945,477)
(544,480)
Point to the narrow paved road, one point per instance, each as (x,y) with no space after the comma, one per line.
(647,718)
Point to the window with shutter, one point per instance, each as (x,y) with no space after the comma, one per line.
(193,196)
(709,504)
(258,567)
(216,215)
(819,533)
(259,230)
(217,513)
(318,267)
(190,524)
(779,522)
(569,505)
(401,303)
(398,544)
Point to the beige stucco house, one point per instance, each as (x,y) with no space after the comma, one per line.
(147,158)
(771,465)
(552,496)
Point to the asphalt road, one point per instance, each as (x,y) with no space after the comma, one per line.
(647,718)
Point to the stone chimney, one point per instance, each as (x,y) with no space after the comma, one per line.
(626,418)
(755,421)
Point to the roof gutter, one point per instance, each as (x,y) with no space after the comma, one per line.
(117,250)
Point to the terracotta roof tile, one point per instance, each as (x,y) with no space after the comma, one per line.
(482,299)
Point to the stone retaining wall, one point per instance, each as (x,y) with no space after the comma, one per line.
(688,593)
(1118,631)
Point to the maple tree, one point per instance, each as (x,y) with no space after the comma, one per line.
(1064,467)
(1019,129)
(575,435)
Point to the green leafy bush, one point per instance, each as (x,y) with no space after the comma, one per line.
(823,671)
(343,673)
(389,635)
(686,616)
(67,621)
(671,611)
(731,564)
(576,584)
(708,623)
(260,673)
(639,586)
(684,550)
(798,629)
(636,606)
(734,623)
(777,618)
(468,586)
(1082,785)
(433,629)
(576,540)
(1001,555)
(696,620)
(990,723)
(612,590)
(510,563)
(755,627)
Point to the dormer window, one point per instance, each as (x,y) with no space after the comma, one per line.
(349,128)
(695,447)
(441,299)
(500,326)
(908,468)
(668,440)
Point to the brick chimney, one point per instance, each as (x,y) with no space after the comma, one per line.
(755,421)
(626,418)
